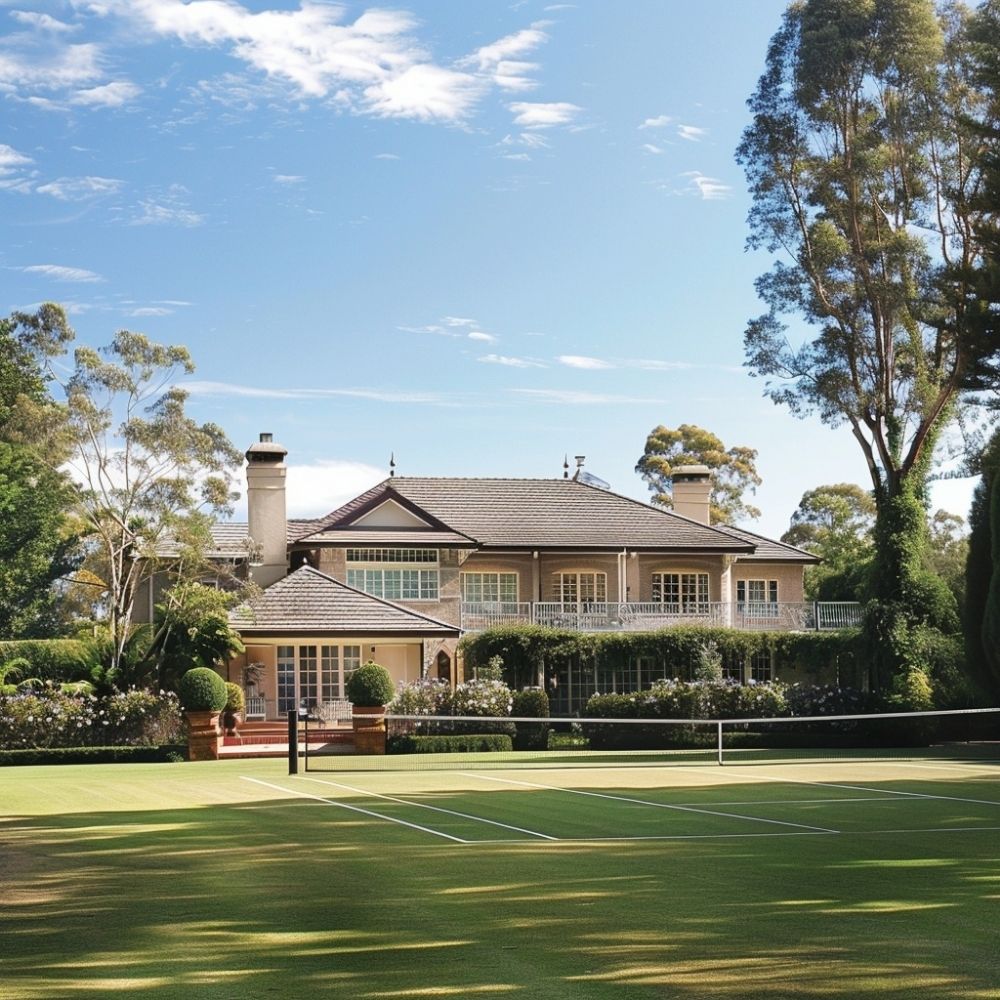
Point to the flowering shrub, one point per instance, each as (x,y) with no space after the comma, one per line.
(482,697)
(52,718)
(487,698)
(428,696)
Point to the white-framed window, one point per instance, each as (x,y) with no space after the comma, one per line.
(407,577)
(761,670)
(580,588)
(310,675)
(757,596)
(681,593)
(489,588)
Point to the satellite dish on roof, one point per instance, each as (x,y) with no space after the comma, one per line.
(591,480)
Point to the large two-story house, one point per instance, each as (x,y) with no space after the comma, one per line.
(401,571)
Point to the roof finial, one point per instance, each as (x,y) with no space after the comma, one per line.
(565,466)
(392,464)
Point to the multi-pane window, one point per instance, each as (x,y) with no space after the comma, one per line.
(404,579)
(754,596)
(392,556)
(486,588)
(760,667)
(581,588)
(311,675)
(681,593)
(286,679)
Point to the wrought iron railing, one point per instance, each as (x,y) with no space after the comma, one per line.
(609,616)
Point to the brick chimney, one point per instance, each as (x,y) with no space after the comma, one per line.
(692,488)
(266,510)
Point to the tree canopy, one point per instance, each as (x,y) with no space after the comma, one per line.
(862,163)
(733,470)
(144,466)
(865,161)
(36,545)
(835,522)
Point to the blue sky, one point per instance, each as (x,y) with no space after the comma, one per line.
(480,236)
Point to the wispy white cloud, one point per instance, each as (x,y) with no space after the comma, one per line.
(426,93)
(709,188)
(486,338)
(691,133)
(660,121)
(59,272)
(501,59)
(80,188)
(29,63)
(587,363)
(581,361)
(326,485)
(167,209)
(372,65)
(42,22)
(288,179)
(142,311)
(208,388)
(458,321)
(650,148)
(509,362)
(532,140)
(11,161)
(386,156)
(540,115)
(571,397)
(108,95)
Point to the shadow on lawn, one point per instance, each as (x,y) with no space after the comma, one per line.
(290,899)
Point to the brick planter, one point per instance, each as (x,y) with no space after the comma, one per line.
(369,729)
(204,738)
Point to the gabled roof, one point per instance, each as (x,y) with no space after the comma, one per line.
(308,602)
(768,550)
(532,514)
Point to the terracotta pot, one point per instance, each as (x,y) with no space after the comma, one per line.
(203,735)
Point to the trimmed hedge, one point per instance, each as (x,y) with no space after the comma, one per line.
(94,755)
(465,743)
(202,690)
(531,703)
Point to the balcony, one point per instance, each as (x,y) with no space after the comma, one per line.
(765,616)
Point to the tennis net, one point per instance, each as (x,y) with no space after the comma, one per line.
(423,742)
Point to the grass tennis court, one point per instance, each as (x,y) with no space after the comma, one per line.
(851,878)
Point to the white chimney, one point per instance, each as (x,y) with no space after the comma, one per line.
(692,489)
(266,510)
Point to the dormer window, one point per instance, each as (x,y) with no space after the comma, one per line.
(396,574)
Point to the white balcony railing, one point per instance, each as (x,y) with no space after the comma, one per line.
(608,616)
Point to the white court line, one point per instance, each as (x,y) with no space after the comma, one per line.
(992,772)
(759,777)
(646,802)
(424,805)
(357,809)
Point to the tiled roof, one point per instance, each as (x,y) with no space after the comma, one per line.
(229,541)
(391,536)
(310,602)
(543,514)
(768,550)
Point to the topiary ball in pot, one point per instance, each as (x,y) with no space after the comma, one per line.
(202,690)
(370,686)
(235,701)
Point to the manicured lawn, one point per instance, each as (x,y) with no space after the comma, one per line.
(233,879)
